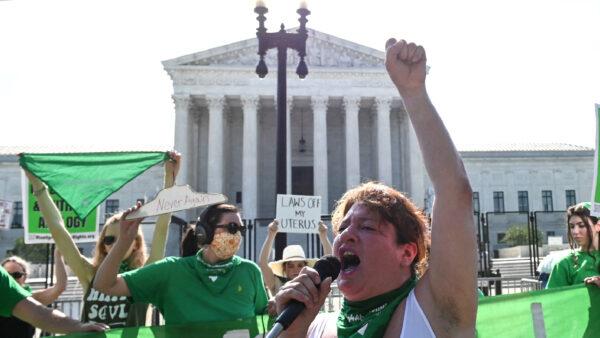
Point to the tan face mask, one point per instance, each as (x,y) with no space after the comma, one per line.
(225,245)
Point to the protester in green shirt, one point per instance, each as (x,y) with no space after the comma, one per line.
(213,285)
(584,261)
(16,301)
(113,311)
(19,269)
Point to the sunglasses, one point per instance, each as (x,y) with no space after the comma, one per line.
(109,240)
(232,227)
(17,274)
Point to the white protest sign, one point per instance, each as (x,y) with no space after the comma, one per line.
(6,208)
(555,240)
(298,214)
(176,198)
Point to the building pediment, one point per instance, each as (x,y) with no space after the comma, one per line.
(323,50)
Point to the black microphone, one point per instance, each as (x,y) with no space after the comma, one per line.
(327,266)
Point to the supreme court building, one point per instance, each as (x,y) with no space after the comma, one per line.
(346,124)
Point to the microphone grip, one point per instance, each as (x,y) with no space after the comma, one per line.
(292,310)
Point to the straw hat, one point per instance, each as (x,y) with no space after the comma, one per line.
(291,253)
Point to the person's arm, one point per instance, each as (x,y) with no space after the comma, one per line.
(263,261)
(51,320)
(453,255)
(324,239)
(49,295)
(161,229)
(83,269)
(107,278)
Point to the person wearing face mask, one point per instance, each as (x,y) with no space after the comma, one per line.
(212,285)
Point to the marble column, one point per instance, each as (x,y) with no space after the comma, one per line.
(288,136)
(183,135)
(250,157)
(320,178)
(384,147)
(215,143)
(352,106)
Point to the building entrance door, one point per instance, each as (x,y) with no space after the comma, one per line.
(302,181)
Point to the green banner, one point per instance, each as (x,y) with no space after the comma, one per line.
(568,312)
(84,180)
(251,327)
(36,230)
(572,311)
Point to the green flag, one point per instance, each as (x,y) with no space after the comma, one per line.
(84,180)
(572,311)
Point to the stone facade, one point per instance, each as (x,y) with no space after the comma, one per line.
(354,126)
(347,111)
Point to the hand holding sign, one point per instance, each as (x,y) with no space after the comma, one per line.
(129,227)
(298,214)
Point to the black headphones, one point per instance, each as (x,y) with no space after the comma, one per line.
(206,233)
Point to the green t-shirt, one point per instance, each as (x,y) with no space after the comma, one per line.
(185,291)
(11,292)
(574,268)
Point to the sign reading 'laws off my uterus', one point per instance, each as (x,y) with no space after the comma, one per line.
(298,214)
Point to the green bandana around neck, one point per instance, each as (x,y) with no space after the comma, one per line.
(369,318)
(215,276)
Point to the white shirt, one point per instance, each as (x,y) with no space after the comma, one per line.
(415,324)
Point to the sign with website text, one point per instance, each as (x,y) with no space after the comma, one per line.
(298,214)
(36,230)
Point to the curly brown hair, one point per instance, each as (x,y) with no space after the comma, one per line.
(409,222)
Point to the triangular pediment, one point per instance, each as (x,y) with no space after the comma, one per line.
(323,50)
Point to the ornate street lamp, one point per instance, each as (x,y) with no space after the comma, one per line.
(281,40)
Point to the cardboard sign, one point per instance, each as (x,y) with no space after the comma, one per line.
(36,230)
(6,209)
(176,198)
(298,214)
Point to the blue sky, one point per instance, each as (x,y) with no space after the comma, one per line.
(90,72)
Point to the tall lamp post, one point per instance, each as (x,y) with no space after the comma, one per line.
(281,40)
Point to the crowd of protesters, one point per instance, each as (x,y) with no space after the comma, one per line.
(395,275)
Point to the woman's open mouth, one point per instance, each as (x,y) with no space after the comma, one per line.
(350,261)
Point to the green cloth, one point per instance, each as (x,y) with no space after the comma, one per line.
(84,180)
(376,312)
(254,326)
(569,312)
(574,268)
(11,293)
(184,292)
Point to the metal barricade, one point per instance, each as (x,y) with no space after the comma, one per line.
(494,286)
